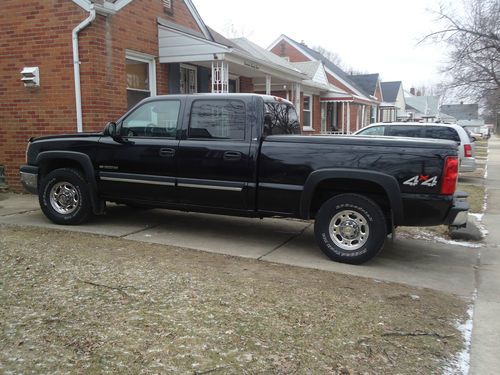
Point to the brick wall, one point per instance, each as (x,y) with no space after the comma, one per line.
(246,85)
(35,33)
(284,48)
(38,33)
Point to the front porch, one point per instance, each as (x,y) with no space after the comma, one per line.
(198,65)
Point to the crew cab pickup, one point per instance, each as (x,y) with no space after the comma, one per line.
(241,154)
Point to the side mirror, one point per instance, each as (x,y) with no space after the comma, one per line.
(110,130)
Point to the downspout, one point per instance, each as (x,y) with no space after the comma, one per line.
(76,66)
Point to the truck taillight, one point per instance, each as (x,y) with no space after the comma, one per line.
(468,151)
(450,175)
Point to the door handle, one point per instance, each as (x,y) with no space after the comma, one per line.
(232,156)
(167,152)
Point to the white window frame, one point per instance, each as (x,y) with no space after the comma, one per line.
(195,70)
(150,60)
(310,111)
(236,78)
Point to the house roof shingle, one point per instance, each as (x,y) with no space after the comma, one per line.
(368,82)
(331,66)
(461,111)
(390,90)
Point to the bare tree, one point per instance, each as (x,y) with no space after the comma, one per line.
(473,40)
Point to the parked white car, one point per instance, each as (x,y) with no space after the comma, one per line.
(466,147)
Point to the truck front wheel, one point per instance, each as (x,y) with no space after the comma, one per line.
(350,228)
(64,197)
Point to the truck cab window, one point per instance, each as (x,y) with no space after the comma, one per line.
(217,119)
(281,119)
(153,119)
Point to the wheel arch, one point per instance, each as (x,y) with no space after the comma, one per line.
(50,160)
(382,183)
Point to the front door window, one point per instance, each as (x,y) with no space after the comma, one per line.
(188,84)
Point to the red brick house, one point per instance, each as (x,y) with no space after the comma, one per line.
(86,61)
(357,104)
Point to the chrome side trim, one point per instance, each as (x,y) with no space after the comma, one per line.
(147,182)
(211,187)
(281,186)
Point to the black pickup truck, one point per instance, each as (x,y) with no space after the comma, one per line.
(240,154)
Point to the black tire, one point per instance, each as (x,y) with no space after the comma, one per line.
(64,197)
(350,228)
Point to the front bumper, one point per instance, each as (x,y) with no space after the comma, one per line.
(29,178)
(457,216)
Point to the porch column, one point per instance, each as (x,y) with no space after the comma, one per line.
(362,117)
(296,98)
(348,117)
(343,117)
(220,77)
(268,84)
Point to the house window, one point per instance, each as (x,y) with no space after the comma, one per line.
(141,77)
(189,79)
(307,108)
(168,6)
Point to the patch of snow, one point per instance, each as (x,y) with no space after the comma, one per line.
(460,364)
(478,217)
(421,235)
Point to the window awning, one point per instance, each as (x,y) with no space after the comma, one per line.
(180,46)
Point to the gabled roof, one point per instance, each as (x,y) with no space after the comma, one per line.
(329,65)
(261,53)
(426,105)
(461,111)
(112,6)
(367,82)
(390,90)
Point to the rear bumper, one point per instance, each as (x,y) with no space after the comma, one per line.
(457,216)
(467,164)
(29,178)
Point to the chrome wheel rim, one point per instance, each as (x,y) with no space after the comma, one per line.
(349,230)
(64,198)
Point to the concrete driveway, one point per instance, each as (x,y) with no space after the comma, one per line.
(444,267)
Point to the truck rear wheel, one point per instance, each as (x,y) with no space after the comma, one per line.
(350,228)
(64,197)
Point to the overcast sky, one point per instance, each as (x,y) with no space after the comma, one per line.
(370,36)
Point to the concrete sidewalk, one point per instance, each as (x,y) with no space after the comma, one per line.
(444,267)
(485,353)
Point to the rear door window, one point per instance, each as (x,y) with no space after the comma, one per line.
(442,132)
(374,130)
(405,131)
(282,119)
(217,119)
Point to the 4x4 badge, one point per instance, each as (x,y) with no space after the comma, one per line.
(422,180)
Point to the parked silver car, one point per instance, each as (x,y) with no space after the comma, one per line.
(466,147)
